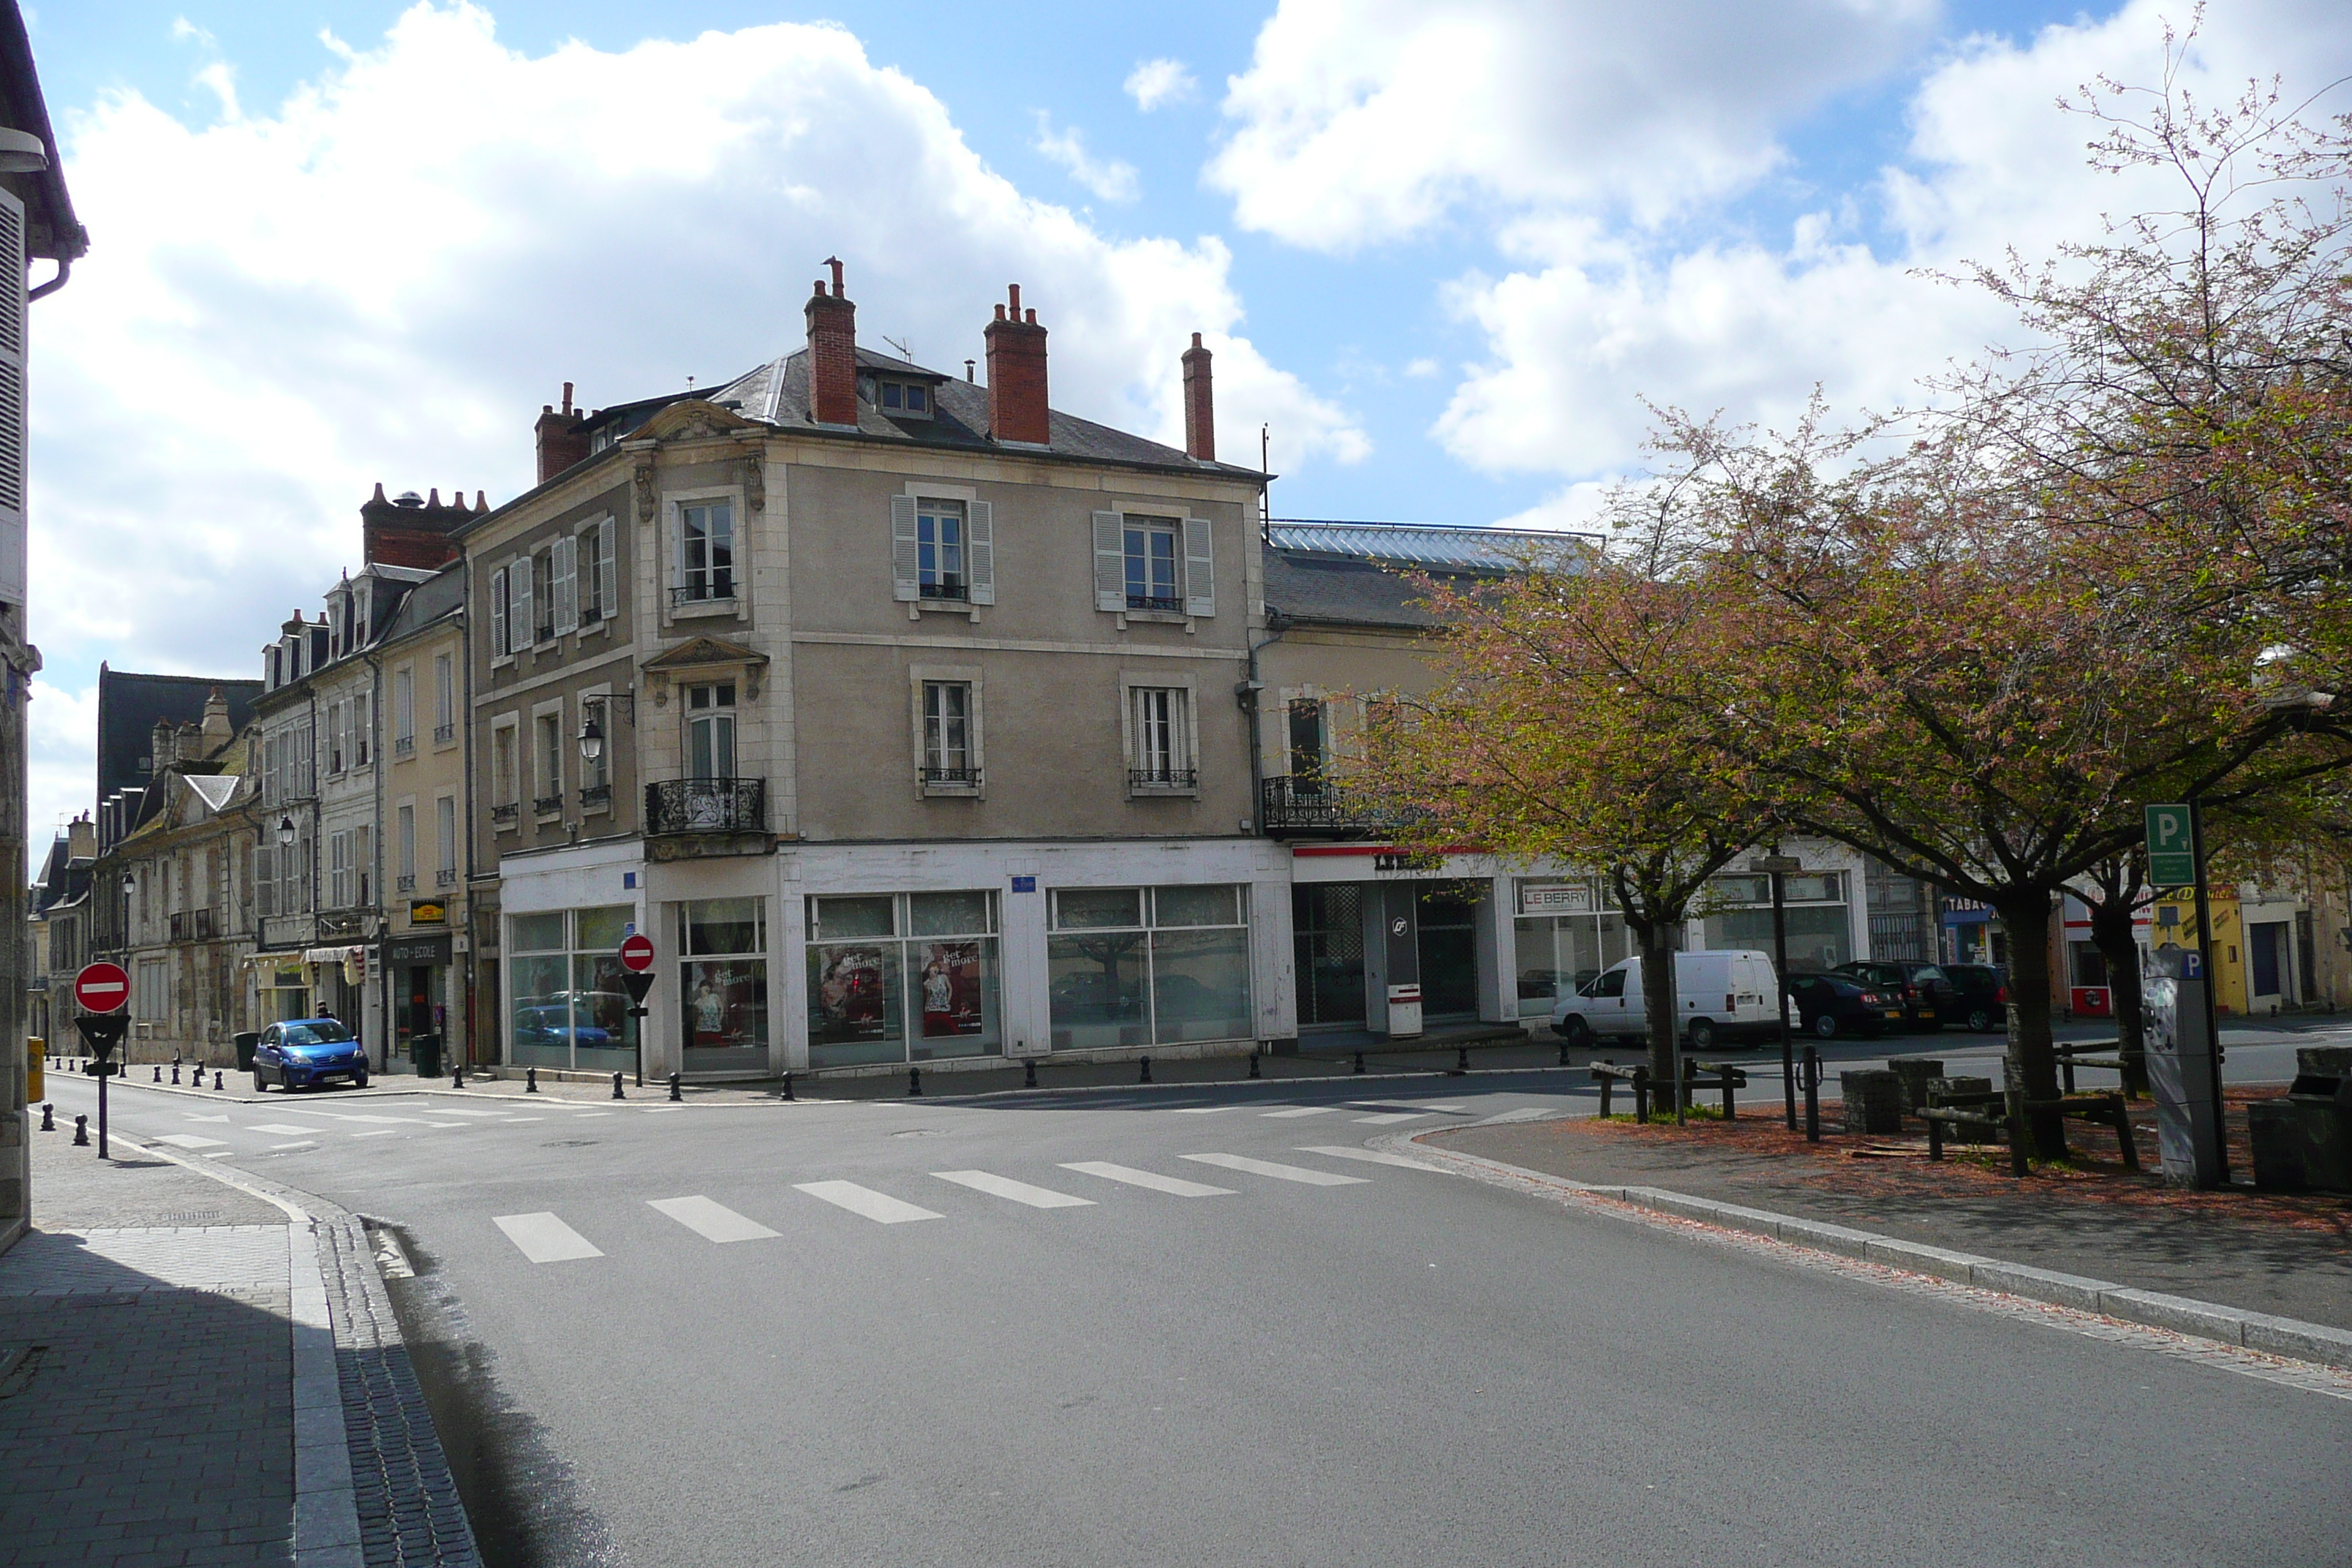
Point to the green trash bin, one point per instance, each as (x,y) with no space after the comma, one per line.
(424,1051)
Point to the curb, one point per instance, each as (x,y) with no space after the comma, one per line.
(2263,1331)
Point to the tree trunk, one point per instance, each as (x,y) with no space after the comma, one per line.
(2111,933)
(1661,1010)
(2030,1068)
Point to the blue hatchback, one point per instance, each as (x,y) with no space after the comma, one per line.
(306,1051)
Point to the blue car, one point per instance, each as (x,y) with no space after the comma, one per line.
(306,1051)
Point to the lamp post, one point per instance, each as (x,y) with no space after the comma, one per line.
(1777,867)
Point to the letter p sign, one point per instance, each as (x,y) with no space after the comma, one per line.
(2171,847)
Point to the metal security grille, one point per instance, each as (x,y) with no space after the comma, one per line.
(1897,938)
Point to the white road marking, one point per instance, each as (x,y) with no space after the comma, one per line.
(1019,1191)
(192,1117)
(188,1140)
(448,1124)
(524,1118)
(586,1114)
(1198,1110)
(1176,1186)
(379,1132)
(286,1129)
(711,1221)
(879,1208)
(1282,1172)
(1302,1110)
(1526,1113)
(452,1112)
(544,1238)
(306,1143)
(1388,1118)
(1370,1157)
(347,1116)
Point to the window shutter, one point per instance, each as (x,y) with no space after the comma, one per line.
(12,399)
(608,590)
(1110,562)
(498,642)
(906,568)
(518,610)
(979,553)
(1200,568)
(265,875)
(565,560)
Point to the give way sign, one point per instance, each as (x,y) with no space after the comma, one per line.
(102,987)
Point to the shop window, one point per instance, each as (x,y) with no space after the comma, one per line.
(1560,940)
(569,1006)
(723,982)
(1132,967)
(903,978)
(1327,922)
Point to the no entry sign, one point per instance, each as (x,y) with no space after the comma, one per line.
(636,954)
(102,988)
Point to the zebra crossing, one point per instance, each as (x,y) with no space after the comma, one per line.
(545,1238)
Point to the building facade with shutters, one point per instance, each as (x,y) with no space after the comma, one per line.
(897,709)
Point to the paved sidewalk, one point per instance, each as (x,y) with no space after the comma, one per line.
(187,1377)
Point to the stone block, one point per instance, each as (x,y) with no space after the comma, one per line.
(1874,1102)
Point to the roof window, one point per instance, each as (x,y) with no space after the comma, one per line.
(905,399)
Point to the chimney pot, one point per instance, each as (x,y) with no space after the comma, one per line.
(839,293)
(1017,375)
(1200,405)
(562,441)
(831,353)
(567,397)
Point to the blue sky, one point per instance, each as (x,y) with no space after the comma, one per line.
(1444,251)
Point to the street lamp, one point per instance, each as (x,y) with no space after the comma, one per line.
(286,833)
(591,739)
(1778,866)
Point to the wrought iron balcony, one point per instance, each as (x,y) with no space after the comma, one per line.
(1312,807)
(444,879)
(595,796)
(718,589)
(716,817)
(408,883)
(444,733)
(548,805)
(952,778)
(1169,781)
(403,745)
(504,815)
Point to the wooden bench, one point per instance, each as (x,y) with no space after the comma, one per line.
(1722,1075)
(1974,1113)
(1636,1077)
(2071,1057)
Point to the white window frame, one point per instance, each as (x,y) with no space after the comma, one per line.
(674,505)
(501,619)
(1196,566)
(687,721)
(335,742)
(403,816)
(446,828)
(1130,682)
(363,729)
(403,710)
(444,699)
(594,547)
(919,678)
(546,761)
(978,551)
(506,770)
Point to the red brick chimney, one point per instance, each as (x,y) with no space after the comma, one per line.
(562,442)
(832,352)
(410,532)
(1017,375)
(1200,406)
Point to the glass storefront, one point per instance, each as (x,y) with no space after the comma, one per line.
(723,984)
(1134,966)
(899,977)
(1819,922)
(567,1006)
(1563,938)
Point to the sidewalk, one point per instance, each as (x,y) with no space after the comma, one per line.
(189,1376)
(2285,1254)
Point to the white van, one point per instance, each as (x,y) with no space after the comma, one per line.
(1725,994)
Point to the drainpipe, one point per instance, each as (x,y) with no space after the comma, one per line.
(1276,624)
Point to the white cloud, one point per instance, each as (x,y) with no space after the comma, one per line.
(1360,121)
(1154,83)
(385,277)
(1107,178)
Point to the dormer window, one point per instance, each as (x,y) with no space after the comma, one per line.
(906,398)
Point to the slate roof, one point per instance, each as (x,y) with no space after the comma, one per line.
(1340,593)
(129,705)
(438,596)
(1351,573)
(1428,546)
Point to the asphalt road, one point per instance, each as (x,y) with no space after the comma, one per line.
(1372,1365)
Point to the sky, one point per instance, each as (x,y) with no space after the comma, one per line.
(1449,256)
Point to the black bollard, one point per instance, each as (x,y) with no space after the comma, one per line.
(1029,1073)
(530,1080)
(1254,1064)
(175,1072)
(788,1086)
(49,1116)
(1812,1095)
(616,1087)
(1563,1050)
(914,1081)
(1359,1062)
(1461,1060)
(218,1082)
(159,1073)
(81,1132)
(1146,1077)
(675,1096)
(456,1075)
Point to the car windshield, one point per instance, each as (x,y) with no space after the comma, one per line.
(325,1032)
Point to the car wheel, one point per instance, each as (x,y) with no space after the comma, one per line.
(1702,1034)
(1576,1032)
(258,1086)
(359,1079)
(1826,1027)
(1980,1020)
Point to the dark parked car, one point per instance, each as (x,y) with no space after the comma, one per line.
(1928,994)
(1984,995)
(1828,1005)
(302,1052)
(552,1025)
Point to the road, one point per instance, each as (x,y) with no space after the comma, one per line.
(1228,1340)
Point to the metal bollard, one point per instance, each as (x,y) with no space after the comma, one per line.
(49,1116)
(1563,1050)
(788,1086)
(1812,1070)
(218,1082)
(175,1072)
(914,1081)
(1146,1077)
(675,1096)
(159,1073)
(81,1132)
(530,1080)
(1029,1073)
(616,1087)
(457,1075)
(1461,1067)
(1253,1072)
(1359,1063)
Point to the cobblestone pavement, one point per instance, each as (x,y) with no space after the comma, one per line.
(232,1391)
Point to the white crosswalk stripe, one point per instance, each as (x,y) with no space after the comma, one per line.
(544,1238)
(1019,1191)
(1281,1173)
(1370,1156)
(1175,1186)
(711,1221)
(188,1140)
(1302,1110)
(1526,1113)
(287,1130)
(879,1208)
(1389,1118)
(1198,1110)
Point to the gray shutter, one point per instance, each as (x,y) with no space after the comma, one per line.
(979,554)
(498,642)
(564,560)
(1200,568)
(520,608)
(12,399)
(608,587)
(1110,562)
(906,569)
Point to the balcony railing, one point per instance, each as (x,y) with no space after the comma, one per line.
(444,733)
(504,815)
(408,883)
(402,745)
(721,592)
(592,796)
(950,778)
(1308,806)
(1148,780)
(444,879)
(1153,601)
(706,805)
(547,804)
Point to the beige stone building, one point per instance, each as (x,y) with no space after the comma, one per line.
(420,669)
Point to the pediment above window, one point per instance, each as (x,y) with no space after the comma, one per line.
(706,655)
(692,420)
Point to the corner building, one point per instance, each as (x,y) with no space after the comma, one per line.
(905,713)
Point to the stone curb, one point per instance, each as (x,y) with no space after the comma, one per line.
(327,1532)
(2263,1331)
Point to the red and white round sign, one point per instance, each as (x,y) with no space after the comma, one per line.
(637,953)
(101,987)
